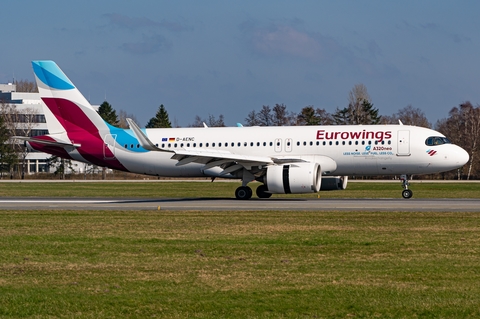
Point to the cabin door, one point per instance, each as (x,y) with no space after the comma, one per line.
(403,143)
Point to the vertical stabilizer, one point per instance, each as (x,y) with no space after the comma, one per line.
(68,110)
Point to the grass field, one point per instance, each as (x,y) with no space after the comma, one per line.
(269,264)
(90,264)
(226,190)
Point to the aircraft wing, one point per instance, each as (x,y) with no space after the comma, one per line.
(229,162)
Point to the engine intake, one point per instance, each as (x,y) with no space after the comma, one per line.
(294,178)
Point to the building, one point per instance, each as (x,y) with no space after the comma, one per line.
(29,120)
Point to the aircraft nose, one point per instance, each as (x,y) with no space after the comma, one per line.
(461,156)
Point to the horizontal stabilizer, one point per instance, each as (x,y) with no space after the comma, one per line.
(46,140)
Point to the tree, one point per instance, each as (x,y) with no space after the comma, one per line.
(211,122)
(26,86)
(410,116)
(310,116)
(108,114)
(122,119)
(8,157)
(160,120)
(367,114)
(265,117)
(463,128)
(341,116)
(252,119)
(280,115)
(18,122)
(360,109)
(307,116)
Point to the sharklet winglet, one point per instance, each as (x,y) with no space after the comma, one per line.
(143,140)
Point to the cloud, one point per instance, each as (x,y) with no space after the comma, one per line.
(137,23)
(289,40)
(148,45)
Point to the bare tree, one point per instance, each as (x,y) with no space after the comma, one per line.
(410,116)
(211,122)
(26,86)
(356,98)
(265,117)
(122,119)
(19,122)
(463,128)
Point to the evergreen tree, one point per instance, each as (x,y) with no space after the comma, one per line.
(8,157)
(108,114)
(160,120)
(341,116)
(368,114)
(307,116)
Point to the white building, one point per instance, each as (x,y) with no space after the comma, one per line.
(31,119)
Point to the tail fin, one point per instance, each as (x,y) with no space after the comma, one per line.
(76,130)
(68,110)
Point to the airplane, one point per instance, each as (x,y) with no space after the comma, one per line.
(293,159)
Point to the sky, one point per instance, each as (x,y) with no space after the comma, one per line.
(231,57)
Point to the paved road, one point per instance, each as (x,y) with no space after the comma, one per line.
(203,204)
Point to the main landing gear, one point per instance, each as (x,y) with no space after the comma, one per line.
(245,192)
(406,193)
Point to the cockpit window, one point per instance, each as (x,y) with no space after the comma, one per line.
(437,140)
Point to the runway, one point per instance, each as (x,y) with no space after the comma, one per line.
(219,204)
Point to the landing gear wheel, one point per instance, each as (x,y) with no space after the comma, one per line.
(243,192)
(262,191)
(406,193)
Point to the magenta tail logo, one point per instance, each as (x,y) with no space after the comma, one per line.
(431,152)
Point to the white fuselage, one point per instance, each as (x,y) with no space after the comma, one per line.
(353,150)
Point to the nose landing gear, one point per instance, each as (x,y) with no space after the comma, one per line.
(406,193)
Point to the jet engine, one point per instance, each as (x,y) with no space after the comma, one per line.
(293,178)
(333,183)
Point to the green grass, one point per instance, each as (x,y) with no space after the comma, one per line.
(226,190)
(144,264)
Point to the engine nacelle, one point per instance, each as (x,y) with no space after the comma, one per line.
(294,178)
(331,183)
